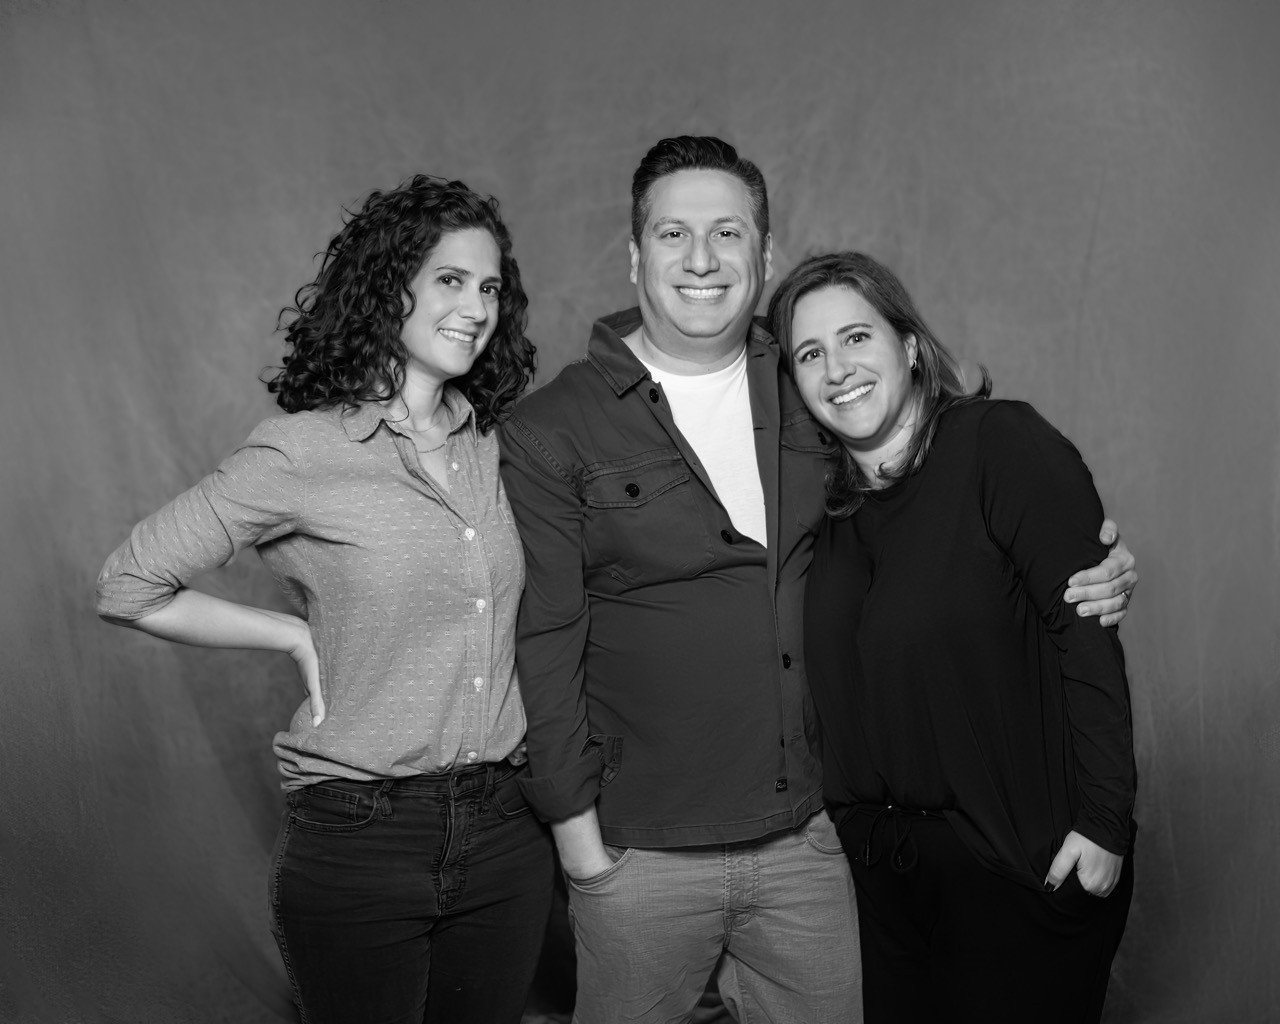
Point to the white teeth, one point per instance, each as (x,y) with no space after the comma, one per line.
(855,393)
(702,293)
(457,335)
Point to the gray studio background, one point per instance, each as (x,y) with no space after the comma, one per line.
(1081,195)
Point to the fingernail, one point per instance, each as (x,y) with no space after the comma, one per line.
(1048,887)
(316,719)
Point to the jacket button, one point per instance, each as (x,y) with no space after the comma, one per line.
(653,395)
(632,491)
(728,537)
(781,785)
(786,661)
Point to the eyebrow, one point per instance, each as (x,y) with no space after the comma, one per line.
(731,219)
(796,346)
(460,271)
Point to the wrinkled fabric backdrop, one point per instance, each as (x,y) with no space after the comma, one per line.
(1082,196)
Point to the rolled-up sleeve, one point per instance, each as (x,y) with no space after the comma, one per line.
(1042,509)
(568,763)
(254,496)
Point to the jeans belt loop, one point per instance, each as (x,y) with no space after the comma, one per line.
(383,799)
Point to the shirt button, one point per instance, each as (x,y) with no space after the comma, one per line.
(453,466)
(633,491)
(780,786)
(472,755)
(479,682)
(480,605)
(727,536)
(653,395)
(786,661)
(469,533)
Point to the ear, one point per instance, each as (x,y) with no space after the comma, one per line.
(768,257)
(913,350)
(635,259)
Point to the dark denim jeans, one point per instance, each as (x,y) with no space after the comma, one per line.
(412,900)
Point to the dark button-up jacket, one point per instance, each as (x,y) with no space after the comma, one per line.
(659,649)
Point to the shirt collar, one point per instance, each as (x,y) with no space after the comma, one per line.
(609,353)
(360,421)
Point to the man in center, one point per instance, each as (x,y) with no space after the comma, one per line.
(667,488)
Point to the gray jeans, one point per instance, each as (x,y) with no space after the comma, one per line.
(774,918)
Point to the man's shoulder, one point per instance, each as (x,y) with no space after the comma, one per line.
(564,392)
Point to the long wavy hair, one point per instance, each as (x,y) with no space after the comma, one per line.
(342,335)
(936,379)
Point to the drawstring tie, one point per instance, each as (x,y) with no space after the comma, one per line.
(903,856)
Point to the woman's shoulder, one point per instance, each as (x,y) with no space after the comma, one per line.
(990,418)
(1007,435)
(301,433)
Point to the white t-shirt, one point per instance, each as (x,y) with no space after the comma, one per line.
(713,412)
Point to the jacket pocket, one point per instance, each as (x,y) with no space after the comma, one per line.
(642,521)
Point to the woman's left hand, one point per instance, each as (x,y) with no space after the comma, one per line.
(1097,869)
(1105,589)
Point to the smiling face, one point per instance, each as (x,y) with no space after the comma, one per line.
(854,373)
(700,265)
(456,311)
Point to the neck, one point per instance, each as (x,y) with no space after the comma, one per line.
(422,400)
(689,358)
(886,455)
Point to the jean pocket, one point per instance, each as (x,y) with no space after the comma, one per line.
(594,883)
(820,833)
(334,809)
(507,799)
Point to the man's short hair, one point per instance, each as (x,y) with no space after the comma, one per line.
(695,153)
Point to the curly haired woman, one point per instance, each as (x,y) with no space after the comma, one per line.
(409,880)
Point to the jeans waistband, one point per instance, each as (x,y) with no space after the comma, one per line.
(456,780)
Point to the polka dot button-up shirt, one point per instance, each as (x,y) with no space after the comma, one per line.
(410,590)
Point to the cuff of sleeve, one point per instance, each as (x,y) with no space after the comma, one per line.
(566,792)
(1113,838)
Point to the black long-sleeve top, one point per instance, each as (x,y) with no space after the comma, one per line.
(947,670)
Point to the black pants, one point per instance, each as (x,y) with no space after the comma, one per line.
(418,899)
(944,938)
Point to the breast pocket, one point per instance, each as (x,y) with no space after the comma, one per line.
(643,523)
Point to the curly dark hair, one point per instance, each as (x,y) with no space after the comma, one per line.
(342,336)
(936,378)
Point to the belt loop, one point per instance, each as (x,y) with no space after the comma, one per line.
(489,771)
(383,798)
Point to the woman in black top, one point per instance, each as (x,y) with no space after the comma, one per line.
(978,756)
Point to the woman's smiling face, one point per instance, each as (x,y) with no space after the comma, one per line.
(854,373)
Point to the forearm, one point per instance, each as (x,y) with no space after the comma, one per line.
(582,851)
(202,620)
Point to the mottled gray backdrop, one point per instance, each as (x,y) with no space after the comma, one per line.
(1082,195)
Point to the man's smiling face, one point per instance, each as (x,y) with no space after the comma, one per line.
(700,266)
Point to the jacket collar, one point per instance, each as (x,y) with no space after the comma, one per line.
(609,354)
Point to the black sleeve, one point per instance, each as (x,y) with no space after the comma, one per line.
(1042,510)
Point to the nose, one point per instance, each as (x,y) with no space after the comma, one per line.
(700,258)
(839,369)
(471,305)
